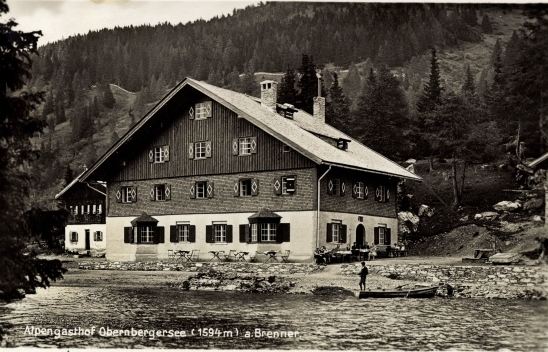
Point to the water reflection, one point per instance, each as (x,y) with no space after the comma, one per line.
(321,322)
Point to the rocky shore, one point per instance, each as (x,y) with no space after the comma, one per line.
(460,281)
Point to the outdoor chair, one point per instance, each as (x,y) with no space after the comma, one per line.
(285,256)
(231,255)
(194,255)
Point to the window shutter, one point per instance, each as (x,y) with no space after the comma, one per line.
(134,194)
(152,193)
(191,150)
(387,198)
(365,191)
(209,234)
(166,152)
(330,187)
(355,190)
(210,189)
(136,236)
(128,234)
(159,236)
(283,233)
(244,233)
(378,193)
(167,192)
(229,233)
(173,238)
(329,233)
(192,233)
(342,189)
(343,233)
(376,234)
(151,156)
(236,189)
(277,185)
(253,145)
(254,187)
(193,191)
(118,198)
(387,236)
(208,108)
(208,149)
(191,112)
(235,146)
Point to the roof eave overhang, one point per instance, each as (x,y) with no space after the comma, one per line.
(417,178)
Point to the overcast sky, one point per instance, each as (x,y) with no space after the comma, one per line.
(58,19)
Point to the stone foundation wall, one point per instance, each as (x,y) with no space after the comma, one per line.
(226,268)
(469,281)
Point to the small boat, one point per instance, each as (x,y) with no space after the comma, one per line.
(416,292)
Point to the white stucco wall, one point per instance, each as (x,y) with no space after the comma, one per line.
(80,245)
(352,222)
(301,244)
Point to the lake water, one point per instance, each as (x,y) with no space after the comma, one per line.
(318,322)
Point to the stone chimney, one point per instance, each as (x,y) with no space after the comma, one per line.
(269,94)
(319,108)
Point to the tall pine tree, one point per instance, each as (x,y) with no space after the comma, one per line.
(287,92)
(308,84)
(431,96)
(338,109)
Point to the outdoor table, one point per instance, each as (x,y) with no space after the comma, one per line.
(240,256)
(216,254)
(364,254)
(183,255)
(344,254)
(271,256)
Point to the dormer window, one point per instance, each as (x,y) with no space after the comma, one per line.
(342,144)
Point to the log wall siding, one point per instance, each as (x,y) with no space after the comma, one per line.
(174,128)
(348,204)
(223,200)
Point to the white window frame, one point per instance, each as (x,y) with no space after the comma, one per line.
(200,110)
(245,191)
(126,194)
(82,209)
(219,233)
(268,232)
(183,232)
(381,234)
(285,190)
(201,189)
(361,190)
(244,146)
(159,155)
(146,234)
(99,208)
(200,150)
(254,232)
(94,209)
(336,230)
(160,192)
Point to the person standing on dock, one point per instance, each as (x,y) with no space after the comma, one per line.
(363,276)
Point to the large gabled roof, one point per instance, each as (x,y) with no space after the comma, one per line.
(72,183)
(300,133)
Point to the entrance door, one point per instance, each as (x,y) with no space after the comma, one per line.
(360,235)
(87,240)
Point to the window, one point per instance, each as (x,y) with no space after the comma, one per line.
(245,188)
(98,236)
(160,192)
(382,194)
(360,190)
(159,155)
(288,184)
(88,209)
(99,208)
(146,234)
(268,232)
(219,232)
(203,110)
(334,186)
(335,231)
(381,235)
(200,150)
(183,232)
(82,210)
(286,149)
(74,236)
(245,146)
(201,192)
(127,194)
(94,209)
(254,232)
